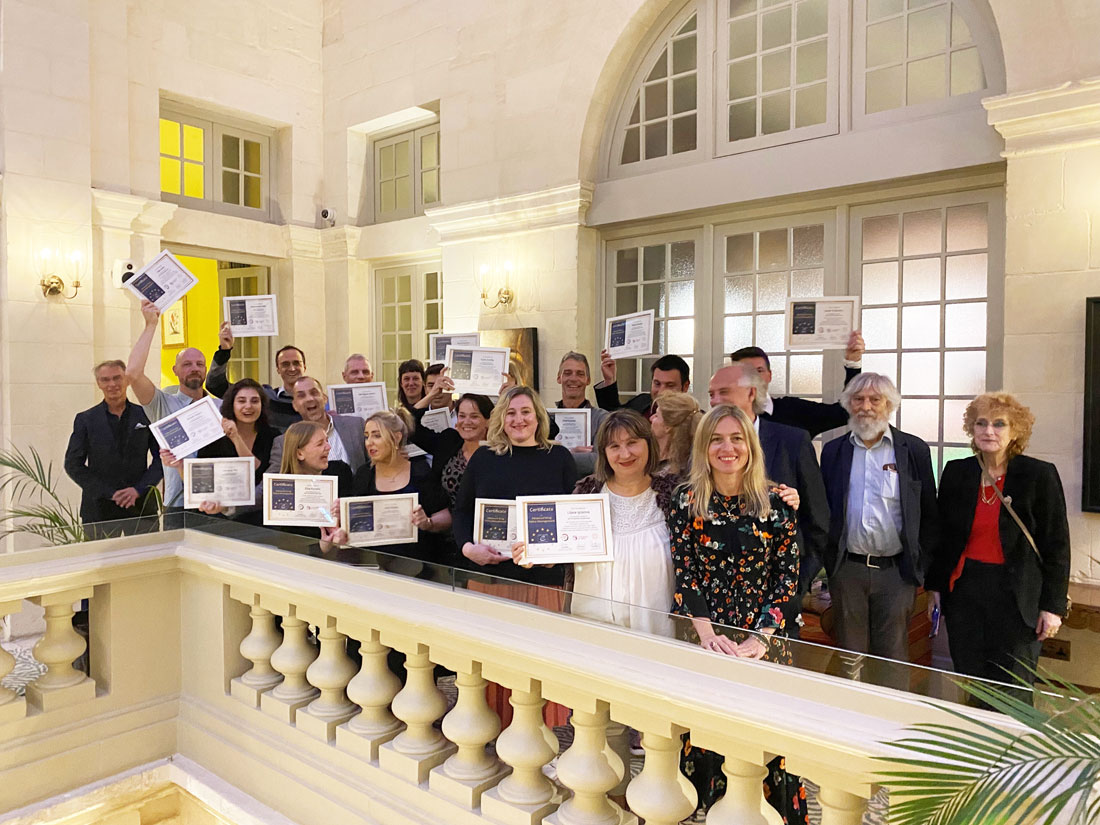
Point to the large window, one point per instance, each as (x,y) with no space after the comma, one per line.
(406,173)
(408,301)
(206,164)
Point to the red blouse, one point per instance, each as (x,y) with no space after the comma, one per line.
(984,544)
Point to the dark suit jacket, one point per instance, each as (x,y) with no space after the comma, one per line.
(789,458)
(1035,492)
(607,398)
(917,488)
(101,467)
(811,416)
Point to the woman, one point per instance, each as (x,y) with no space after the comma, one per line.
(675,418)
(410,383)
(1001,594)
(389,471)
(736,564)
(247,431)
(452,449)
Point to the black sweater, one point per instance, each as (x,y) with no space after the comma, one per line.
(526,471)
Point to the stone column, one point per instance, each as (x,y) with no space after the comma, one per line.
(660,794)
(62,684)
(258,647)
(292,659)
(330,673)
(12,707)
(373,688)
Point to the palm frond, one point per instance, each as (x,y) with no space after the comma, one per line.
(37,509)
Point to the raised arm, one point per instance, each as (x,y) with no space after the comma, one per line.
(143,388)
(217,379)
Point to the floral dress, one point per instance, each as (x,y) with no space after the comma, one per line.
(738,571)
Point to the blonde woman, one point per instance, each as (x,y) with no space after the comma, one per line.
(736,563)
(675,418)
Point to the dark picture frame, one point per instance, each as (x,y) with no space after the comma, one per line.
(524,344)
(1090,465)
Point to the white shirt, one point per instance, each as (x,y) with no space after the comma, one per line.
(874,521)
(337,451)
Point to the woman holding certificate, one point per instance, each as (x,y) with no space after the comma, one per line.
(247,431)
(452,449)
(736,563)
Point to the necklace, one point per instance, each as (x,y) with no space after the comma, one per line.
(993,489)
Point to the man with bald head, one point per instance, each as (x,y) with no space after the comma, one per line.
(190,370)
(789,458)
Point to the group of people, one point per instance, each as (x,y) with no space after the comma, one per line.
(723,517)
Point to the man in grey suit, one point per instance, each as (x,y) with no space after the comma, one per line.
(345,432)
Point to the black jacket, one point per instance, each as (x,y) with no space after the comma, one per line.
(101,467)
(280,411)
(812,416)
(917,489)
(607,398)
(1034,490)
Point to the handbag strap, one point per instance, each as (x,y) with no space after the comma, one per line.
(1005,503)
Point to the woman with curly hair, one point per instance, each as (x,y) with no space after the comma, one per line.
(1001,570)
(675,418)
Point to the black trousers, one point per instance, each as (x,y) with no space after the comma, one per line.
(986,632)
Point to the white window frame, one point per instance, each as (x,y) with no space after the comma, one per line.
(220,130)
(416,170)
(419,268)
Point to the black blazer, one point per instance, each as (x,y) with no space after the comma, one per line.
(917,488)
(101,467)
(811,416)
(280,411)
(607,398)
(1035,492)
(789,458)
(261,449)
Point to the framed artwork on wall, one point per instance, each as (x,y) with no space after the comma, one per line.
(173,325)
(1090,465)
(524,344)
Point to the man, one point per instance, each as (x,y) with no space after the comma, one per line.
(574,378)
(290,363)
(112,454)
(345,432)
(357,369)
(789,459)
(811,416)
(882,498)
(441,400)
(669,372)
(190,369)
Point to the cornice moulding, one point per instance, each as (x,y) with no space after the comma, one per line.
(302,241)
(156,214)
(131,213)
(560,206)
(1047,120)
(340,242)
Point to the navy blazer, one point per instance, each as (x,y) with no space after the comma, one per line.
(789,458)
(1034,490)
(917,488)
(101,467)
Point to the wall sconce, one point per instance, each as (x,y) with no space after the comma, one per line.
(485,280)
(51,264)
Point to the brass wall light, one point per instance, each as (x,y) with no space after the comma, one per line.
(487,279)
(52,264)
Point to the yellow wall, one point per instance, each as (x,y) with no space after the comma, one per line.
(203,313)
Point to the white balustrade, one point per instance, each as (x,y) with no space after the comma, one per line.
(743,802)
(589,768)
(372,689)
(292,659)
(12,706)
(419,704)
(257,647)
(840,807)
(661,794)
(62,684)
(330,673)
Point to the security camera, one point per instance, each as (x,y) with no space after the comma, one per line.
(122,270)
(328,216)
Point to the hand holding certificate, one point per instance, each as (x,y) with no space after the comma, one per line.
(162,281)
(438,343)
(821,323)
(574,426)
(187,431)
(565,528)
(299,500)
(374,520)
(629,336)
(477,369)
(227,482)
(437,420)
(363,400)
(495,524)
(252,316)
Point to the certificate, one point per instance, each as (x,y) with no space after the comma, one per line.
(373,520)
(187,431)
(438,343)
(477,369)
(227,481)
(495,524)
(437,420)
(363,400)
(163,281)
(252,316)
(565,528)
(299,501)
(821,323)
(574,426)
(629,336)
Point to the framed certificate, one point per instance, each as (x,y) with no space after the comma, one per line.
(629,336)
(226,481)
(252,316)
(574,426)
(187,431)
(374,520)
(299,501)
(163,281)
(565,528)
(495,524)
(477,369)
(821,323)
(438,343)
(363,400)
(437,420)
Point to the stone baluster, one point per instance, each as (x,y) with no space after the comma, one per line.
(62,684)
(589,768)
(660,794)
(258,647)
(471,725)
(743,803)
(372,689)
(840,807)
(12,707)
(420,747)
(292,659)
(330,672)
(525,796)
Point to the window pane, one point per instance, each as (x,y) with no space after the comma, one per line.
(656,140)
(431,315)
(653,297)
(626,265)
(739,250)
(660,68)
(880,237)
(920,327)
(404,288)
(953,412)
(880,328)
(807,283)
(431,286)
(231,187)
(877,9)
(429,186)
(776,29)
(773,249)
(404,346)
(169,139)
(742,79)
(769,332)
(965,325)
(966,72)
(252,192)
(920,373)
(813,19)
(921,417)
(681,298)
(429,150)
(960,32)
(810,103)
(921,280)
(389,289)
(389,352)
(737,333)
(656,101)
(771,291)
(401,157)
(805,375)
(779,374)
(387,200)
(170,176)
(681,336)
(927,80)
(739,293)
(775,71)
(742,38)
(194,184)
(966,276)
(928,32)
(683,94)
(683,134)
(404,316)
(653,263)
(252,157)
(884,363)
(964,373)
(742,120)
(385,162)
(626,299)
(885,42)
(231,152)
(885,89)
(632,146)
(809,245)
(967,227)
(683,259)
(689,25)
(404,194)
(683,55)
(880,283)
(775,113)
(812,61)
(192,143)
(389,319)
(739,7)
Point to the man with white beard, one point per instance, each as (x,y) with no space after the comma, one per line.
(883,522)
